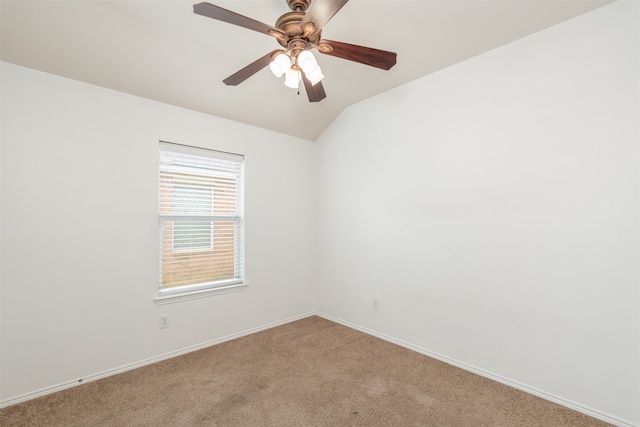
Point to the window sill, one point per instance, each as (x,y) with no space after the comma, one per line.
(185,296)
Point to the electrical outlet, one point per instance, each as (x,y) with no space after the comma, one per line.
(376,303)
(164,321)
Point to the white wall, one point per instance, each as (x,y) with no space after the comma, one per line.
(79,231)
(493,209)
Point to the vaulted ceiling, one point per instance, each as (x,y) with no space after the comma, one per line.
(161,50)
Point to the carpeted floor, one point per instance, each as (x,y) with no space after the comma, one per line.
(312,372)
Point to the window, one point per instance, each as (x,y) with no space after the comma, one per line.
(194,199)
(201,220)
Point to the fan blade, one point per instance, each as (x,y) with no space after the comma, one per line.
(216,12)
(364,55)
(250,70)
(314,92)
(319,13)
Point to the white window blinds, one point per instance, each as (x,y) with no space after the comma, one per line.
(201,219)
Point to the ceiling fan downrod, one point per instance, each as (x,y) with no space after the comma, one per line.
(299,5)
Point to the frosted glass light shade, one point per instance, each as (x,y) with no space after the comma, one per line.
(314,75)
(280,64)
(291,79)
(307,61)
(275,69)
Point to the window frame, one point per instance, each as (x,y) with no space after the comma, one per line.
(236,220)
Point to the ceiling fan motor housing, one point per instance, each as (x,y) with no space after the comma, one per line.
(290,24)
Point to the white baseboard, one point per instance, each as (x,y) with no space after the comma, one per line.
(531,390)
(128,367)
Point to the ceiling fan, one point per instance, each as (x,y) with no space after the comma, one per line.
(298,32)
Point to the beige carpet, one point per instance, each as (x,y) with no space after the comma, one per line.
(312,372)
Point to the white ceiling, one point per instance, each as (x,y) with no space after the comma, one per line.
(163,51)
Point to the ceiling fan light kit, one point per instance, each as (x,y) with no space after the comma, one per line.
(298,32)
(305,61)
